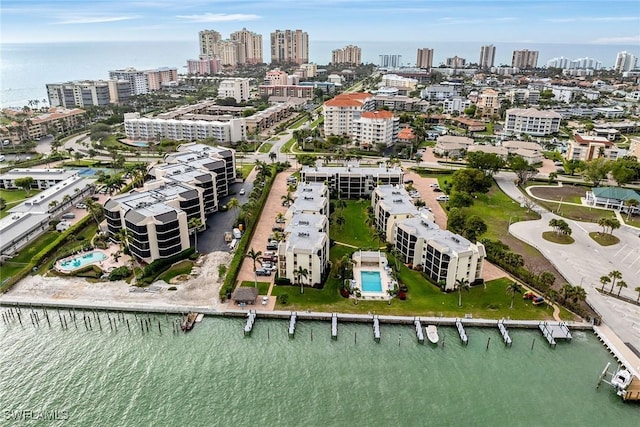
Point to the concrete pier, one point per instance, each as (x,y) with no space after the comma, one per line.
(462,332)
(292,325)
(334,326)
(376,329)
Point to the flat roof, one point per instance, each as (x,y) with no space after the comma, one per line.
(40,202)
(309,203)
(39,174)
(301,220)
(445,240)
(306,240)
(17,224)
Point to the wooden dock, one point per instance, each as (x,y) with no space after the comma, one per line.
(553,331)
(251,318)
(632,392)
(292,325)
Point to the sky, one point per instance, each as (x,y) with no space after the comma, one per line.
(526,21)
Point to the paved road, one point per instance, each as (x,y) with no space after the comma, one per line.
(584,262)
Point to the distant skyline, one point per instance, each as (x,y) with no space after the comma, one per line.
(529,21)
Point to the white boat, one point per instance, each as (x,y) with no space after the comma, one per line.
(621,380)
(432,333)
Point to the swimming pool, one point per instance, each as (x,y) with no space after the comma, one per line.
(371,281)
(140,143)
(78,261)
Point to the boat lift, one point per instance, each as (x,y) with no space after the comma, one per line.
(292,325)
(251,318)
(376,329)
(334,326)
(462,332)
(419,331)
(505,333)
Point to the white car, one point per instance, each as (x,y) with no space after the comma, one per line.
(443,198)
(265,300)
(241,192)
(434,185)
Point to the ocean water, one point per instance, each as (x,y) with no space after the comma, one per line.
(214,375)
(25,69)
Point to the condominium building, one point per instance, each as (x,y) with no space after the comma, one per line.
(391,203)
(424,58)
(306,242)
(87,93)
(532,121)
(487,56)
(187,186)
(394,80)
(438,92)
(204,67)
(488,103)
(307,71)
(42,178)
(626,61)
(455,62)
(560,62)
(156,218)
(457,103)
(250,45)
(56,119)
(236,88)
(587,147)
(276,77)
(524,58)
(523,96)
(348,55)
(289,46)
(230,53)
(352,181)
(153,129)
(145,81)
(294,91)
(376,127)
(340,112)
(443,256)
(208,40)
(390,61)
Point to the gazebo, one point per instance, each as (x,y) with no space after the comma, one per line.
(245,295)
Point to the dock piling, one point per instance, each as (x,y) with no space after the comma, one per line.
(488,341)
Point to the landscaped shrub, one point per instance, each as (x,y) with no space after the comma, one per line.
(172,288)
(283,281)
(283,299)
(152,270)
(120,273)
(90,271)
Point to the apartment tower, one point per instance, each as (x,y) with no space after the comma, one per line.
(250,45)
(424,58)
(289,46)
(524,58)
(487,56)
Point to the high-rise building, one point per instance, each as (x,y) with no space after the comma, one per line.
(208,41)
(424,58)
(487,56)
(585,64)
(82,94)
(289,46)
(524,58)
(204,67)
(626,61)
(455,62)
(348,55)
(250,45)
(144,81)
(160,76)
(561,62)
(390,61)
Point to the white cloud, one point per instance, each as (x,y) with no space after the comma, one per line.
(594,19)
(219,17)
(94,20)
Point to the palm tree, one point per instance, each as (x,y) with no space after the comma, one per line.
(255,257)
(512,289)
(630,204)
(604,280)
(615,275)
(3,203)
(272,156)
(621,284)
(287,199)
(460,284)
(124,236)
(301,272)
(340,222)
(53,204)
(280,217)
(95,209)
(195,223)
(233,204)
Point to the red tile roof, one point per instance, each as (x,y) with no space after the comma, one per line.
(355,99)
(406,133)
(377,115)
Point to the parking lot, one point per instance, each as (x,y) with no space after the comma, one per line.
(264,227)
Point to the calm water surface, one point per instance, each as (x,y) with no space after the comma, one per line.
(216,376)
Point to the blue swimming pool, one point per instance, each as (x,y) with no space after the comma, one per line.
(81,260)
(371,281)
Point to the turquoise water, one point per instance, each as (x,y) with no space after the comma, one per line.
(140,143)
(81,260)
(371,281)
(214,375)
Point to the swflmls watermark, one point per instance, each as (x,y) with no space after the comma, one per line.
(35,415)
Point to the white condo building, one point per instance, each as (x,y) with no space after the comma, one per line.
(626,61)
(237,89)
(341,111)
(532,121)
(376,127)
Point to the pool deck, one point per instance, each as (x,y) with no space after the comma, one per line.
(58,264)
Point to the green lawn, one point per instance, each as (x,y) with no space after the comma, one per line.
(17,263)
(497,209)
(561,239)
(263,287)
(604,239)
(286,148)
(265,147)
(632,221)
(359,234)
(577,213)
(423,299)
(245,169)
(182,267)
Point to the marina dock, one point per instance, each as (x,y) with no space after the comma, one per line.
(554,330)
(419,331)
(462,332)
(292,325)
(251,318)
(376,329)
(504,333)
(334,326)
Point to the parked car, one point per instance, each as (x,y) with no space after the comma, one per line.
(437,190)
(241,192)
(272,245)
(443,198)
(263,272)
(265,300)
(280,220)
(409,181)
(434,185)
(277,228)
(81,206)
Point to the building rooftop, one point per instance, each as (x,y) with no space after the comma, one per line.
(533,112)
(304,220)
(305,240)
(39,174)
(356,99)
(616,193)
(308,203)
(444,240)
(463,140)
(377,115)
(14,225)
(40,202)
